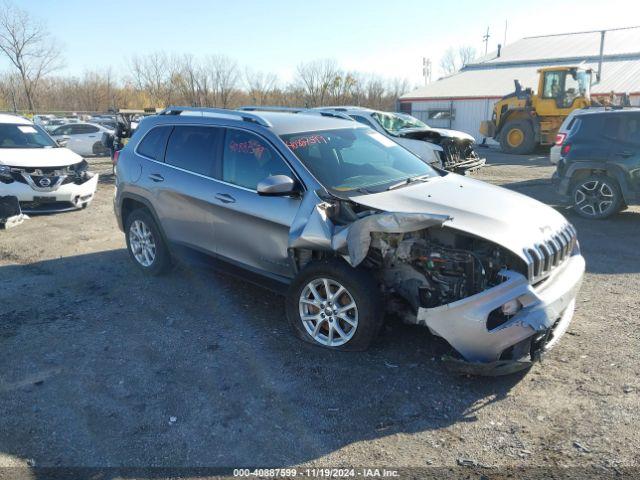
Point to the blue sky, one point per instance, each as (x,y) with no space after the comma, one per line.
(388,38)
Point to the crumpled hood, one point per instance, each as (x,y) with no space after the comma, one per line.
(506,218)
(38,157)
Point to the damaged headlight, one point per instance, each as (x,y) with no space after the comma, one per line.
(81,171)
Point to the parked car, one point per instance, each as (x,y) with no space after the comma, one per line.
(53,124)
(454,150)
(347,223)
(599,162)
(44,176)
(83,138)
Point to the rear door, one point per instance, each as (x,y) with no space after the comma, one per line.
(180,181)
(625,153)
(251,229)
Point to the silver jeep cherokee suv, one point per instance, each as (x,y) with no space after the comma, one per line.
(350,224)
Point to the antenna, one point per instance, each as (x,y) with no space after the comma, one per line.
(485,39)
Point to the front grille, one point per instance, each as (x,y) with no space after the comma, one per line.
(456,151)
(544,257)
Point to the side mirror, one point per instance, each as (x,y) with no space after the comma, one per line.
(277,186)
(62,142)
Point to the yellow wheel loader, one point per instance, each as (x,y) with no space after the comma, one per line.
(523,119)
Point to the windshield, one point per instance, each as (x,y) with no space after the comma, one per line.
(395,122)
(584,83)
(24,136)
(355,159)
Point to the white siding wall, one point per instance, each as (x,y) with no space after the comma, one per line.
(468,114)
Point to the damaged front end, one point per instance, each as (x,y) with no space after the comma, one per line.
(458,154)
(499,310)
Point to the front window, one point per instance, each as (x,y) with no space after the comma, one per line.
(24,136)
(357,159)
(394,123)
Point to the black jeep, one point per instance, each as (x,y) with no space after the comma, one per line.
(599,168)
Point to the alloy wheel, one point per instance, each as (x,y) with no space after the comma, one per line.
(594,198)
(328,312)
(143,245)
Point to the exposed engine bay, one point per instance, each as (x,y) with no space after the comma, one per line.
(458,154)
(436,266)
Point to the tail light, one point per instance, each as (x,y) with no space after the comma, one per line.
(116,156)
(566,148)
(560,138)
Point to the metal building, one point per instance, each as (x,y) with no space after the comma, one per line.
(462,100)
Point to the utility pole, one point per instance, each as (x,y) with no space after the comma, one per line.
(426,70)
(485,39)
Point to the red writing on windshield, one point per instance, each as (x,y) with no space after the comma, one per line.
(304,142)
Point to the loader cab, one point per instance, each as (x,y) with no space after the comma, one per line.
(561,90)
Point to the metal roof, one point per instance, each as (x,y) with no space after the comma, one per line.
(617,42)
(493,76)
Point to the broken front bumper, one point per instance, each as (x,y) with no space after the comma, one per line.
(547,310)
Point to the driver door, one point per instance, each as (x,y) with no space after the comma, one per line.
(252,230)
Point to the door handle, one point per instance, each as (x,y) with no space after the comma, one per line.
(225,198)
(624,154)
(156,177)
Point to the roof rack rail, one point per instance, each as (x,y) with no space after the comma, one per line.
(266,108)
(247,117)
(307,111)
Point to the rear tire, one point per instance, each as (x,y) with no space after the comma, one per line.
(145,244)
(596,197)
(328,321)
(517,137)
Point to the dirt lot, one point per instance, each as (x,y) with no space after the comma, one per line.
(100,366)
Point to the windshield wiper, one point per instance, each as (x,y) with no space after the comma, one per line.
(407,182)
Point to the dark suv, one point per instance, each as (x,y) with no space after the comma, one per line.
(599,168)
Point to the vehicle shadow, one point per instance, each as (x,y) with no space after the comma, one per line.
(107,367)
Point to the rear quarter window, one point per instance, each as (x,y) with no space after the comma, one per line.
(154,142)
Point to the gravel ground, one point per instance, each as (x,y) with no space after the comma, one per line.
(100,366)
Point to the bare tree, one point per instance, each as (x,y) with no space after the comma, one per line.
(11,90)
(152,74)
(29,47)
(316,79)
(449,61)
(223,76)
(466,54)
(260,86)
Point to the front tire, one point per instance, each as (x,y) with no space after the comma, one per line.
(596,197)
(334,305)
(518,138)
(145,243)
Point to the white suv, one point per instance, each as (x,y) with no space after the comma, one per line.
(44,176)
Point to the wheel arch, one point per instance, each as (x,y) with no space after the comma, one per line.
(583,170)
(131,202)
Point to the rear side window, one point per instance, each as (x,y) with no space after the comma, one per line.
(153,144)
(194,148)
(630,128)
